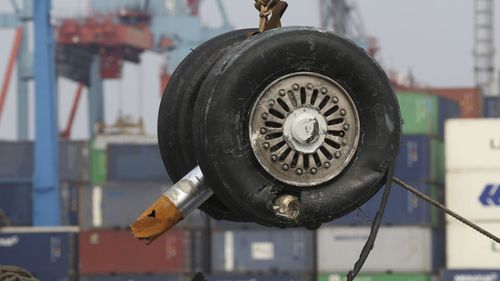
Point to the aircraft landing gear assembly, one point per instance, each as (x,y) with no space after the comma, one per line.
(293,127)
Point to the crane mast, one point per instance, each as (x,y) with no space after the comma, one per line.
(484,44)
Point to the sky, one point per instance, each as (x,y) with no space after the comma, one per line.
(431,38)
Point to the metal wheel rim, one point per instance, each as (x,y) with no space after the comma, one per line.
(304,129)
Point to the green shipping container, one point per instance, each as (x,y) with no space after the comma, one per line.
(420,113)
(377,277)
(98,170)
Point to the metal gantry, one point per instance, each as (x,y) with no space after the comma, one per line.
(484,45)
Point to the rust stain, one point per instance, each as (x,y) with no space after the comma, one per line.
(161,216)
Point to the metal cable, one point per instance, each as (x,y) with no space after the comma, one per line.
(14,273)
(446,210)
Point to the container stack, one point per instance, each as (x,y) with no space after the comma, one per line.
(410,243)
(473,188)
(245,251)
(127,175)
(16,173)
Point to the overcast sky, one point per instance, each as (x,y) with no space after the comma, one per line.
(432,38)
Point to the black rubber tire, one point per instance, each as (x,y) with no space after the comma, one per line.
(176,113)
(222,115)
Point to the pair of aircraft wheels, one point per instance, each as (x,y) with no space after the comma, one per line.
(293,115)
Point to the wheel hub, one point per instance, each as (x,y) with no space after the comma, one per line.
(304,129)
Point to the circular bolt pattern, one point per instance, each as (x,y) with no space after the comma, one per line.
(304,129)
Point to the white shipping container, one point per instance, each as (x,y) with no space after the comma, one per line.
(468,249)
(397,249)
(472,144)
(475,195)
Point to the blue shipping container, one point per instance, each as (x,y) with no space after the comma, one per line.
(418,159)
(16,204)
(491,107)
(49,256)
(133,162)
(262,251)
(403,208)
(258,278)
(448,109)
(131,278)
(471,275)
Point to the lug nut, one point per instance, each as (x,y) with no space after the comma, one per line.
(310,86)
(299,171)
(335,100)
(263,130)
(266,145)
(285,167)
(343,112)
(344,141)
(271,103)
(264,115)
(324,91)
(274,158)
(282,92)
(337,154)
(326,165)
(346,127)
(314,171)
(295,87)
(287,206)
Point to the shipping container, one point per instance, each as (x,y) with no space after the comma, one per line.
(131,278)
(475,194)
(70,202)
(471,275)
(74,161)
(403,208)
(136,162)
(48,253)
(12,196)
(117,205)
(262,251)
(469,100)
(472,144)
(259,278)
(468,249)
(377,277)
(16,160)
(418,159)
(103,252)
(420,113)
(397,249)
(98,168)
(448,109)
(99,156)
(16,204)
(491,107)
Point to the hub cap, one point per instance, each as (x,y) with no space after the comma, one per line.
(304,129)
